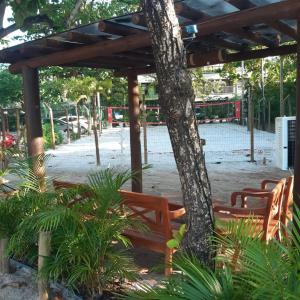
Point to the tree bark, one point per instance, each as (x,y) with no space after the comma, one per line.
(94,99)
(176,99)
(29,21)
(74,12)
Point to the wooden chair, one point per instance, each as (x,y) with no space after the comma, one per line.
(266,220)
(287,204)
(157,214)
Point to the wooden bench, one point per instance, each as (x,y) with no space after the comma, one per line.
(153,211)
(157,214)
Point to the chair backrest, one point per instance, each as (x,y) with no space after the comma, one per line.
(274,206)
(151,210)
(82,196)
(287,200)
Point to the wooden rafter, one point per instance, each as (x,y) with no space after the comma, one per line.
(277,25)
(242,19)
(196,60)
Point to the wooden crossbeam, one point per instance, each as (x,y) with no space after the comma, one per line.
(288,9)
(278,25)
(105,48)
(83,38)
(282,10)
(196,16)
(196,60)
(117,29)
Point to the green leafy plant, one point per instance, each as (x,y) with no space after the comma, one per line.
(88,249)
(177,237)
(47,135)
(262,271)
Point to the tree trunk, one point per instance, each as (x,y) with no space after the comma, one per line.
(51,126)
(94,99)
(78,121)
(18,139)
(176,98)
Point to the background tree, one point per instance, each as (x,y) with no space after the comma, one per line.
(176,99)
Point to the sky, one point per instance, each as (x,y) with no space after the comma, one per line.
(9,38)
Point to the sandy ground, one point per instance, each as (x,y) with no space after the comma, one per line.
(226,151)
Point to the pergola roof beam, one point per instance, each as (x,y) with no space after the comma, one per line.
(117,29)
(288,9)
(83,38)
(282,10)
(105,48)
(196,60)
(278,25)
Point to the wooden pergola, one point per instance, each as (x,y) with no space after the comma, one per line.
(227,31)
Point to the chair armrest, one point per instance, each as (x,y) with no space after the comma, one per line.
(175,214)
(240,211)
(244,199)
(264,183)
(174,206)
(245,194)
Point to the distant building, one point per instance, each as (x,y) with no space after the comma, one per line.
(216,87)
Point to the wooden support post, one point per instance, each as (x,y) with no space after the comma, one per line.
(135,130)
(34,130)
(4,260)
(44,251)
(51,126)
(18,128)
(94,99)
(251,124)
(297,144)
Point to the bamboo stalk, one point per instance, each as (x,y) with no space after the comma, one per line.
(4,260)
(44,251)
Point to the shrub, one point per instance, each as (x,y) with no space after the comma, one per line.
(263,271)
(47,135)
(87,245)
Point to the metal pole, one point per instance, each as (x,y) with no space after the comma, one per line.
(145,131)
(297,144)
(282,113)
(251,123)
(243,90)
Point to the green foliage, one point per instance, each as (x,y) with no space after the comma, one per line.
(177,237)
(11,88)
(262,271)
(86,225)
(48,135)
